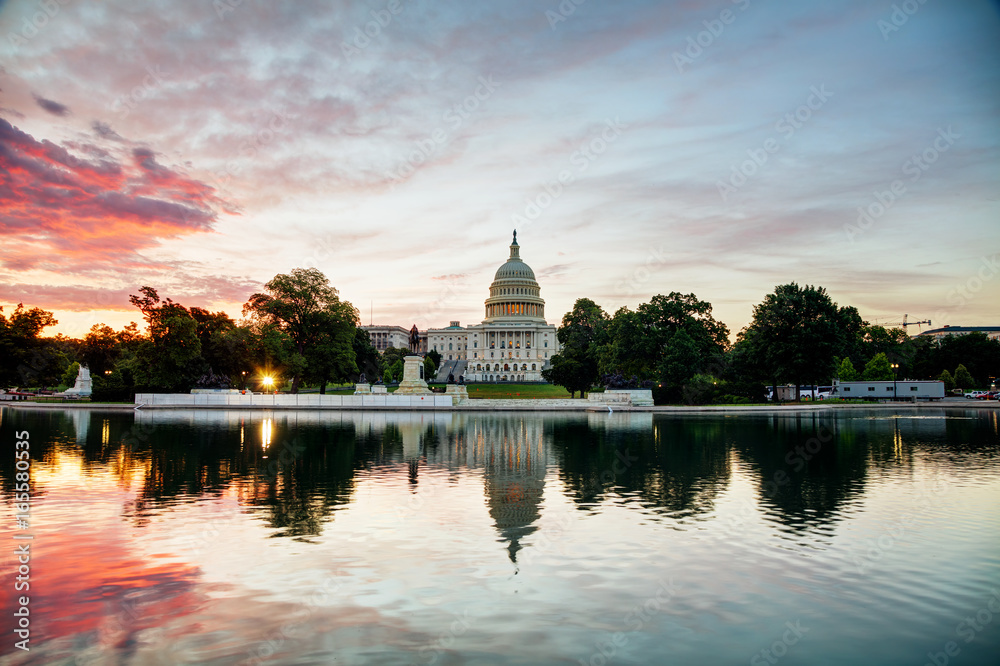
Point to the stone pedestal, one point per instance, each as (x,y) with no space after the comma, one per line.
(460,395)
(379,389)
(634,397)
(413,377)
(362,389)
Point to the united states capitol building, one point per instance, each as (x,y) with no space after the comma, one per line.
(512,344)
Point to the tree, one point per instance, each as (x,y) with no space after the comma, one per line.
(949,381)
(846,371)
(429,368)
(395,371)
(678,365)
(69,377)
(25,359)
(392,363)
(331,356)
(303,305)
(977,352)
(101,348)
(635,342)
(796,332)
(169,358)
(571,372)
(963,379)
(878,369)
(366,357)
(575,366)
(435,356)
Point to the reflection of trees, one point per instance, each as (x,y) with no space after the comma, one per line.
(681,464)
(296,483)
(677,464)
(304,478)
(803,493)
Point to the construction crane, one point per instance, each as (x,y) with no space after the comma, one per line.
(905,323)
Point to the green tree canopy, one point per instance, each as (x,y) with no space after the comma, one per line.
(580,335)
(976,351)
(878,369)
(26,359)
(304,306)
(949,381)
(366,357)
(846,371)
(797,331)
(964,379)
(636,341)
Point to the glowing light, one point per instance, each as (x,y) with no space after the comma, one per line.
(267,381)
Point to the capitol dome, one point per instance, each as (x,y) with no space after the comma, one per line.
(515,294)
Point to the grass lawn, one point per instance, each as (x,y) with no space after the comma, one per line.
(514,391)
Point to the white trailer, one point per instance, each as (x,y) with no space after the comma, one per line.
(906,389)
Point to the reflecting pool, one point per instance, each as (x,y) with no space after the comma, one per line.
(215,537)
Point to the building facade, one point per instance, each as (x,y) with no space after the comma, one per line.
(992,332)
(513,342)
(384,337)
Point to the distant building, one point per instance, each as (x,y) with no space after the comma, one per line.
(384,337)
(992,332)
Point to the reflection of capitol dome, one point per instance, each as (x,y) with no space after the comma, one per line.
(515,468)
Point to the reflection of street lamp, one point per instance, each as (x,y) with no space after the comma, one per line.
(895,367)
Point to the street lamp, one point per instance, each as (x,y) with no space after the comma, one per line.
(895,367)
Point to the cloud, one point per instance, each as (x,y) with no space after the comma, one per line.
(66,211)
(55,108)
(207,291)
(104,131)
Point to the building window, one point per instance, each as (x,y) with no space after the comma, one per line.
(546,343)
(847,389)
(888,388)
(532,366)
(871,388)
(449,346)
(475,343)
(914,388)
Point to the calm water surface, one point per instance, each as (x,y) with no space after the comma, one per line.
(215,537)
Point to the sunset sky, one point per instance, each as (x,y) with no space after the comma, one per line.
(203,147)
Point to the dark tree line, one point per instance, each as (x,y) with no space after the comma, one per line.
(798,335)
(296,330)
